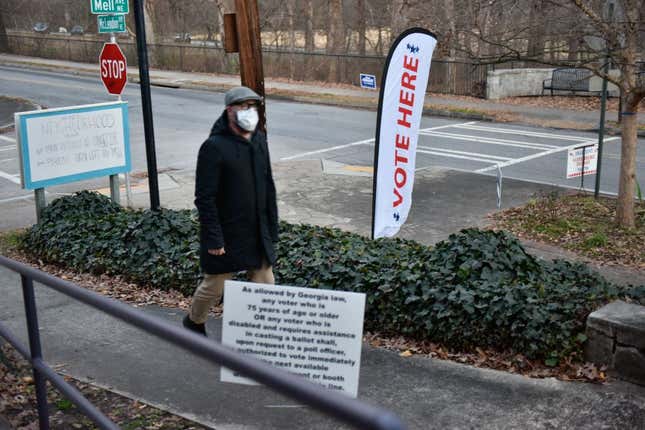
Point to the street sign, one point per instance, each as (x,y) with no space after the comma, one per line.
(114,69)
(111,23)
(582,161)
(368,81)
(109,6)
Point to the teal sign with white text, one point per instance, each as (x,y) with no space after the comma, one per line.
(109,6)
(111,23)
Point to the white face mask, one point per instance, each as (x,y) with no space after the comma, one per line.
(247,119)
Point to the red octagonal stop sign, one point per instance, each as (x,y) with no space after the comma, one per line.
(114,69)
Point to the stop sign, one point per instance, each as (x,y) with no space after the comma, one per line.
(113,68)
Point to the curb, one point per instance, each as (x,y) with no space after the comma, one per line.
(10,126)
(310,98)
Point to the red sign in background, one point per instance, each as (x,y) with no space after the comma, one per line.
(114,68)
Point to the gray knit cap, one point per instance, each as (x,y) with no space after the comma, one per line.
(240,94)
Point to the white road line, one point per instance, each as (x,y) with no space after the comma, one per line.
(13,199)
(13,178)
(8,148)
(7,138)
(285,406)
(333,148)
(4,160)
(452,151)
(463,157)
(448,126)
(491,141)
(541,154)
(522,132)
(360,142)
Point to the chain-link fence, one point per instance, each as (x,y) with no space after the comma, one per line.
(448,77)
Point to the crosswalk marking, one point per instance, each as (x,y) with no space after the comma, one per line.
(452,151)
(490,141)
(540,154)
(13,178)
(521,132)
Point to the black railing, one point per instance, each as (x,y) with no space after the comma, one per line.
(351,411)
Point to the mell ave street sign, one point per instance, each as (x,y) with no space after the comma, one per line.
(114,69)
(109,6)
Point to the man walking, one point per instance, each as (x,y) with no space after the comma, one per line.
(236,200)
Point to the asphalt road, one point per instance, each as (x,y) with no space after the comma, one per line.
(183,118)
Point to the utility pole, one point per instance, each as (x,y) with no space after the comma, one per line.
(242,34)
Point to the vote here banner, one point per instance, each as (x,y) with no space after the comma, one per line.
(403,88)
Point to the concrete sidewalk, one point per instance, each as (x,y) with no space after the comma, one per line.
(425,393)
(317,92)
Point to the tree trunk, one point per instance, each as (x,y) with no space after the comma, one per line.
(574,45)
(308,11)
(397,18)
(362,26)
(4,42)
(310,46)
(291,7)
(536,31)
(148,16)
(627,184)
(335,38)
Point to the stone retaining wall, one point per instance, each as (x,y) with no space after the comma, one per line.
(616,335)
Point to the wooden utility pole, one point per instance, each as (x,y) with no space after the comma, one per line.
(242,33)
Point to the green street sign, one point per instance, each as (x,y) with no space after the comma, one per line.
(111,23)
(109,6)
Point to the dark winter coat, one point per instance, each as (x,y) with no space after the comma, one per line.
(236,199)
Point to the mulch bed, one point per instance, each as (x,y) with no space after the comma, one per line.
(580,224)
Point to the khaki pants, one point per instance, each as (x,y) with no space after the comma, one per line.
(210,290)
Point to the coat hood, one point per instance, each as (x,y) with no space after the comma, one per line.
(221,125)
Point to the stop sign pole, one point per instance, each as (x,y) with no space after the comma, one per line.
(144,83)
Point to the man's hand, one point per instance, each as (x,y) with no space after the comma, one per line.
(218,251)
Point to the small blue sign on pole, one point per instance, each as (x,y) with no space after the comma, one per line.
(368,81)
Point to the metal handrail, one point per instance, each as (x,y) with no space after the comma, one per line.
(352,411)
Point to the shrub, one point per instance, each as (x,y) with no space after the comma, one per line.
(476,289)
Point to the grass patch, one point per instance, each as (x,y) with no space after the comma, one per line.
(581,224)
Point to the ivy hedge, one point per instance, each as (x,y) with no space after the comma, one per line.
(476,289)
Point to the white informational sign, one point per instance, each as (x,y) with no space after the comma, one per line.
(575,161)
(316,334)
(70,144)
(405,80)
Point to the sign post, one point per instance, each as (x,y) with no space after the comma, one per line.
(112,62)
(146,101)
(581,161)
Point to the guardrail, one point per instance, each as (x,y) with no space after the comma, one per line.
(351,411)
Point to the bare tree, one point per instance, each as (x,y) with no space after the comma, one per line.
(597,39)
(4,42)
(335,36)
